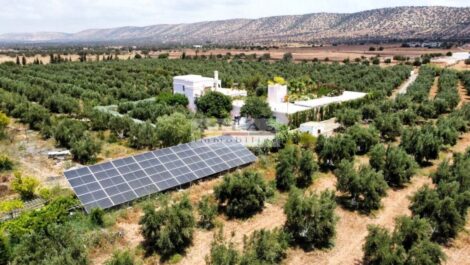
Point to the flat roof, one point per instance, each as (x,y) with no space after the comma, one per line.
(287,108)
(193,78)
(298,106)
(323,101)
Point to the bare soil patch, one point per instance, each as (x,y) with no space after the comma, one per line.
(458,250)
(29,152)
(352,229)
(464,97)
(461,66)
(434,88)
(333,53)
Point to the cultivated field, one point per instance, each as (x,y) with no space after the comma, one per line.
(52,106)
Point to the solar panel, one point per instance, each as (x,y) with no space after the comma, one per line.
(122,180)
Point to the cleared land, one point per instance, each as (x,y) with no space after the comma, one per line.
(333,53)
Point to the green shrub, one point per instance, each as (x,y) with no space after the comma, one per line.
(4,250)
(223,253)
(397,166)
(265,247)
(57,244)
(207,209)
(410,243)
(334,149)
(5,163)
(121,258)
(97,216)
(242,193)
(168,230)
(24,186)
(10,205)
(311,213)
(365,187)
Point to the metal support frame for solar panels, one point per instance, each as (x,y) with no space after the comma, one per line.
(134,180)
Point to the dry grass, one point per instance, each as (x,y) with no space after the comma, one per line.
(352,229)
(29,152)
(334,53)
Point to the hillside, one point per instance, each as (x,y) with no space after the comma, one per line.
(381,24)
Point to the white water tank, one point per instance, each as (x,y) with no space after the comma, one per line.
(277,94)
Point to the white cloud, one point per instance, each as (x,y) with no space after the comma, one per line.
(76,15)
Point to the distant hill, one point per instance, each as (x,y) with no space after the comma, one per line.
(398,23)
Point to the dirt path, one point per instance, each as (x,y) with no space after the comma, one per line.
(352,229)
(464,97)
(404,87)
(434,88)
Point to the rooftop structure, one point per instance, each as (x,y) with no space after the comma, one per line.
(324,101)
(282,109)
(194,86)
(316,129)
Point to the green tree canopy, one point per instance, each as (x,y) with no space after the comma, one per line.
(397,166)
(424,143)
(365,187)
(168,230)
(409,244)
(25,186)
(389,126)
(214,104)
(56,245)
(365,138)
(85,149)
(242,193)
(265,247)
(334,149)
(311,219)
(257,108)
(295,167)
(175,129)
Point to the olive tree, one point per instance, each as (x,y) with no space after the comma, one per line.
(311,219)
(424,143)
(334,149)
(168,230)
(389,126)
(365,188)
(257,108)
(364,138)
(295,166)
(175,129)
(55,245)
(397,166)
(214,104)
(207,209)
(242,193)
(409,243)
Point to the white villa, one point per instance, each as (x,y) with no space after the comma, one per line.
(194,86)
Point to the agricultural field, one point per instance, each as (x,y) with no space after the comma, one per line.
(333,53)
(390,187)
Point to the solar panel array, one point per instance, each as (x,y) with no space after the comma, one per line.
(122,180)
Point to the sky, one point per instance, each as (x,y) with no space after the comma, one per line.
(76,15)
